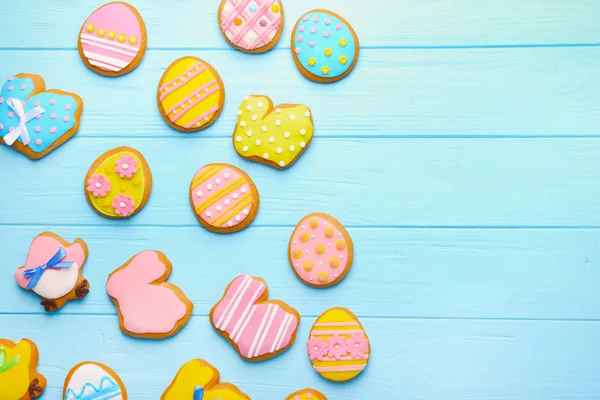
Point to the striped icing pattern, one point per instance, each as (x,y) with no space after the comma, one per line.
(257,329)
(190,93)
(221,195)
(111,37)
(251,24)
(338,324)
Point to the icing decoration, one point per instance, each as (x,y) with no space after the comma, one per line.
(286,131)
(306,394)
(257,328)
(93,381)
(320,250)
(118,183)
(333,49)
(251,25)
(224,198)
(191,94)
(122,49)
(25,115)
(53,270)
(19,379)
(148,306)
(198,380)
(338,346)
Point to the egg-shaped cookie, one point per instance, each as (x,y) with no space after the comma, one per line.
(324,46)
(274,136)
(190,94)
(118,183)
(306,394)
(320,250)
(251,26)
(112,41)
(224,198)
(338,346)
(92,380)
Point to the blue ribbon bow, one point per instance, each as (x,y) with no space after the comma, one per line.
(198,393)
(35,274)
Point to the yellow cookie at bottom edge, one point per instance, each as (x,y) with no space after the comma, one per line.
(306,394)
(198,380)
(18,364)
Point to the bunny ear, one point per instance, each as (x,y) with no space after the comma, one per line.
(144,268)
(236,303)
(194,377)
(259,106)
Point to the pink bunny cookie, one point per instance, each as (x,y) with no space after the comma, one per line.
(257,328)
(53,270)
(148,306)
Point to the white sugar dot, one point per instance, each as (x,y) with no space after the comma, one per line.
(279,150)
(189,102)
(208,213)
(125,166)
(254,117)
(278,122)
(218,181)
(243,123)
(248,107)
(249,133)
(206,118)
(271,139)
(243,190)
(230,223)
(341,256)
(238,139)
(238,218)
(189,74)
(197,96)
(260,104)
(182,79)
(174,112)
(245,148)
(209,186)
(303,131)
(122,204)
(328,244)
(335,276)
(266,156)
(292,148)
(98,185)
(307,113)
(258,142)
(281,163)
(286,135)
(199,193)
(292,117)
(277,110)
(302,144)
(312,236)
(306,251)
(263,128)
(226,202)
(239,112)
(219,207)
(247,98)
(235,195)
(245,211)
(226,175)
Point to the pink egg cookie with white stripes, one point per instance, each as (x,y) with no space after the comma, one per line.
(112,41)
(320,251)
(258,328)
(338,346)
(251,26)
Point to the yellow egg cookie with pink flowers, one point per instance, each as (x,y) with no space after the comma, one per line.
(306,394)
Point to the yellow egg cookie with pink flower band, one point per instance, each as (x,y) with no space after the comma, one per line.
(306,394)
(275,136)
(118,183)
(338,346)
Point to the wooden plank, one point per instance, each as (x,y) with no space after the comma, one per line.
(193,24)
(424,273)
(431,360)
(392,93)
(377,182)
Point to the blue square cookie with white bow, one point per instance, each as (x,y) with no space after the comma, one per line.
(33,120)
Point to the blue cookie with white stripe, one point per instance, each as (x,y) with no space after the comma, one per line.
(325,46)
(35,121)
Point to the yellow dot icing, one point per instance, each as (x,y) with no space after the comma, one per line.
(122,38)
(111,35)
(15,381)
(90,28)
(133,40)
(275,135)
(308,266)
(101,32)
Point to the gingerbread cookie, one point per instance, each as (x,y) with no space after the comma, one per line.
(258,328)
(33,120)
(338,346)
(272,136)
(19,379)
(112,41)
(251,26)
(306,394)
(198,380)
(320,250)
(324,46)
(93,381)
(118,183)
(53,270)
(224,198)
(149,307)
(190,94)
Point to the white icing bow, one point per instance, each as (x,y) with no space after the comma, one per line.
(24,117)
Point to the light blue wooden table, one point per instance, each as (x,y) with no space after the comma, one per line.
(463,156)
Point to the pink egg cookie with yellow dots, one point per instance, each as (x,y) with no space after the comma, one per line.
(306,394)
(112,40)
(320,250)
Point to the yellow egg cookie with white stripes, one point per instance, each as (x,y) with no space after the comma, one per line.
(224,198)
(275,136)
(190,94)
(338,346)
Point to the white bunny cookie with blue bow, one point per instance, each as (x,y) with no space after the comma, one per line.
(33,120)
(53,270)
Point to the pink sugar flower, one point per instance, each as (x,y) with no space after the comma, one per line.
(336,346)
(317,348)
(126,166)
(123,205)
(358,345)
(98,185)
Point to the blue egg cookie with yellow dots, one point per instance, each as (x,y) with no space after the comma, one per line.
(324,46)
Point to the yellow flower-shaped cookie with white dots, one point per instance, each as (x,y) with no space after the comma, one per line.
(275,136)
